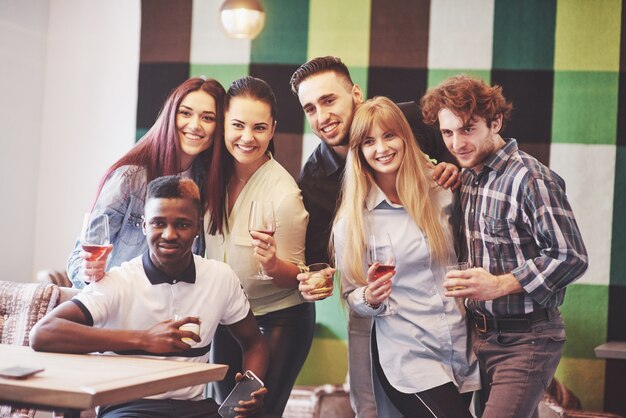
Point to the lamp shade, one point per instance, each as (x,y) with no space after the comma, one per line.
(242,19)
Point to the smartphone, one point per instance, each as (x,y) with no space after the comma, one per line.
(241,392)
(19,372)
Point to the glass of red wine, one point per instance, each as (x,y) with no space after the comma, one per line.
(94,237)
(380,249)
(262,220)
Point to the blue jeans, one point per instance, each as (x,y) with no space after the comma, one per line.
(161,408)
(517,367)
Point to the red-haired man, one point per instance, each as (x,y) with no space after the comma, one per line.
(523,243)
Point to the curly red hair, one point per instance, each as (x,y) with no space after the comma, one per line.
(467,98)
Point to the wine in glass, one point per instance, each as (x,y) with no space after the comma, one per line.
(262,220)
(94,237)
(380,250)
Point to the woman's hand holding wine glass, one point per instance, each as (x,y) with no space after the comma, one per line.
(94,239)
(262,226)
(381,260)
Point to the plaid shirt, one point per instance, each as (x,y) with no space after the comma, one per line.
(517,220)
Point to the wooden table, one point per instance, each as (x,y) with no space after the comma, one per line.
(72,382)
(615,375)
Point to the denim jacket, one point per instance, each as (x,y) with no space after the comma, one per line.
(122,200)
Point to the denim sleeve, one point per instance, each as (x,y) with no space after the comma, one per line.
(113,201)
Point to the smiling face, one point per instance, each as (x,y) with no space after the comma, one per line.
(329,102)
(472,142)
(170,226)
(383,150)
(248,131)
(195,124)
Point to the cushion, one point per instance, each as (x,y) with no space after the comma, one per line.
(21,306)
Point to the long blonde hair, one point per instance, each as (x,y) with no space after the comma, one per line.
(416,190)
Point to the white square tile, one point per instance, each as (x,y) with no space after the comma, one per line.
(209,42)
(309,142)
(461,34)
(589,173)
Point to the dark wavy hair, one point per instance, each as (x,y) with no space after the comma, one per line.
(159,149)
(316,66)
(466,97)
(253,88)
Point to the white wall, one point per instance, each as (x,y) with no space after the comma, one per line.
(68,99)
(23,28)
(89,118)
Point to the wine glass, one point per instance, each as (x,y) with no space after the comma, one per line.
(380,249)
(262,220)
(94,236)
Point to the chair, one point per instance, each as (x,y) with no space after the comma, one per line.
(319,402)
(54,276)
(560,402)
(21,306)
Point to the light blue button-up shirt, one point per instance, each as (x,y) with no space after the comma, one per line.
(425,344)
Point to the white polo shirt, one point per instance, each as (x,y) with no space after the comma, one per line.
(138,296)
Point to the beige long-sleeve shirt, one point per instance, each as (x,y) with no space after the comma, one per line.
(271,182)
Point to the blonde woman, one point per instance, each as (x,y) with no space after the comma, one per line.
(419,354)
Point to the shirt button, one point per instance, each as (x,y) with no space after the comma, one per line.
(174,281)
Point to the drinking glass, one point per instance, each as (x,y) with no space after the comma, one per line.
(379,249)
(320,276)
(262,220)
(94,236)
(462,265)
(190,326)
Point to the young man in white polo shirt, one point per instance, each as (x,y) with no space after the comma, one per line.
(131,310)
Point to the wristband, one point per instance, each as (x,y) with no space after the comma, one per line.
(367,303)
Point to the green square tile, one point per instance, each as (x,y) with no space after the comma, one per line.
(618,239)
(224,73)
(585,312)
(588,35)
(436,77)
(531,44)
(585,107)
(585,378)
(340,28)
(327,363)
(284,37)
(307,127)
(139,133)
(331,317)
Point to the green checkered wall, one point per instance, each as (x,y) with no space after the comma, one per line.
(561,63)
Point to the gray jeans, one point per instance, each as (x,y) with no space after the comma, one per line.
(360,367)
(517,367)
